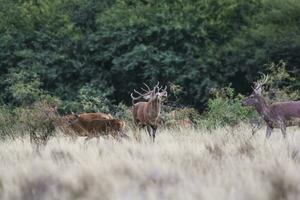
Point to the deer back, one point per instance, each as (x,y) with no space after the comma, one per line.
(101,126)
(91,116)
(286,110)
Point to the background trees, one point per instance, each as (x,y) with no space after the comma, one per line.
(83,52)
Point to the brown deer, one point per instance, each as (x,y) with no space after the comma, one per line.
(64,124)
(146,114)
(180,122)
(277,115)
(97,127)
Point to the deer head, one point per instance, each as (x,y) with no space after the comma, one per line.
(255,98)
(157,93)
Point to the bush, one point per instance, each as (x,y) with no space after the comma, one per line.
(38,121)
(180,117)
(123,112)
(8,123)
(90,98)
(224,108)
(281,84)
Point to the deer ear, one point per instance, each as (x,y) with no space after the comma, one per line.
(147,97)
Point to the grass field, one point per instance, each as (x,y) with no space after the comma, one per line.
(186,164)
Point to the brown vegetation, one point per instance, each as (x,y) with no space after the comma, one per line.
(181,164)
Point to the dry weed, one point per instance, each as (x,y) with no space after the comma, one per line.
(185,164)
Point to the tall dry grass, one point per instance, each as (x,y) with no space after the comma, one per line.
(186,164)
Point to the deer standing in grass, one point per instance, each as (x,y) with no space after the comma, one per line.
(146,114)
(277,115)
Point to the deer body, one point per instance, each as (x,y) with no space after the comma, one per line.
(287,110)
(280,115)
(66,124)
(146,114)
(97,127)
(277,115)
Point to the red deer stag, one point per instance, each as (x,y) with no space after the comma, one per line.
(97,127)
(146,114)
(277,115)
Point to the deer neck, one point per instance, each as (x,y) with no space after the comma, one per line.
(264,110)
(154,108)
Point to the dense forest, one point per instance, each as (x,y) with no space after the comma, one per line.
(90,54)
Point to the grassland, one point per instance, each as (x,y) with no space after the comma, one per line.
(187,164)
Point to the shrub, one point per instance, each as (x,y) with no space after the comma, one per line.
(25,88)
(172,119)
(91,98)
(8,123)
(224,108)
(281,84)
(38,121)
(123,112)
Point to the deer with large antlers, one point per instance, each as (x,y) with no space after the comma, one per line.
(277,115)
(146,114)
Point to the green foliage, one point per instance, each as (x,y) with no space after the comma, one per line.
(8,123)
(224,108)
(281,84)
(24,88)
(70,48)
(273,34)
(90,99)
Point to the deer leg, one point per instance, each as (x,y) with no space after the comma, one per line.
(124,135)
(283,129)
(149,130)
(154,131)
(269,131)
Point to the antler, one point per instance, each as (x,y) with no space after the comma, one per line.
(159,88)
(148,91)
(148,88)
(156,87)
(259,84)
(134,98)
(163,89)
(138,92)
